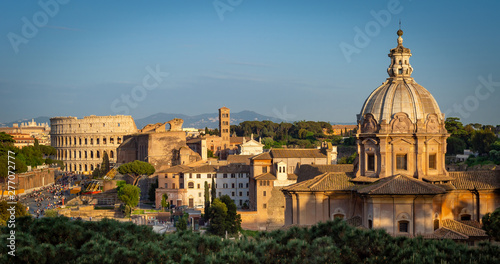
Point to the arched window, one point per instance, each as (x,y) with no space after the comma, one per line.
(85,154)
(97,154)
(436,224)
(91,154)
(97,141)
(92,167)
(190,185)
(111,140)
(370,224)
(80,154)
(80,167)
(85,167)
(111,155)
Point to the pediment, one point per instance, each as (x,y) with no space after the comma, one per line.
(369,141)
(399,141)
(433,141)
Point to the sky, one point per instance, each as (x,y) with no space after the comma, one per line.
(294,60)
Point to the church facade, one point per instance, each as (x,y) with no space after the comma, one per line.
(399,181)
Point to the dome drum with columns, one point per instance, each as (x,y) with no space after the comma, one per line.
(400,128)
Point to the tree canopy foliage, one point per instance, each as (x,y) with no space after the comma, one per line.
(20,210)
(491,224)
(60,240)
(223,216)
(136,168)
(129,195)
(300,133)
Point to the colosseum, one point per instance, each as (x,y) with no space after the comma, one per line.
(81,143)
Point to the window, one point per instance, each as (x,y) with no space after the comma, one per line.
(232,185)
(209,176)
(465,217)
(403,226)
(219,194)
(370,224)
(401,162)
(191,185)
(199,194)
(264,206)
(436,224)
(248,193)
(264,193)
(339,216)
(370,166)
(240,185)
(198,176)
(264,169)
(260,183)
(198,186)
(166,185)
(233,175)
(224,175)
(432,161)
(241,194)
(247,185)
(232,194)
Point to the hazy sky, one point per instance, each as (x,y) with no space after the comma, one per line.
(312,60)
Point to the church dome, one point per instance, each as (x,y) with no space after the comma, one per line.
(400,93)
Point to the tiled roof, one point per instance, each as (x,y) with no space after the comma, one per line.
(364,179)
(437,178)
(245,159)
(176,169)
(330,181)
(445,233)
(203,169)
(472,223)
(193,140)
(263,156)
(237,140)
(480,180)
(234,168)
(292,176)
(463,228)
(265,176)
(309,171)
(297,153)
(400,184)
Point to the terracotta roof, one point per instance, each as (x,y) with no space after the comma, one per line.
(330,181)
(445,233)
(292,176)
(265,176)
(364,179)
(463,228)
(234,168)
(400,184)
(203,169)
(263,156)
(176,169)
(297,153)
(237,140)
(480,180)
(472,223)
(309,171)
(244,159)
(193,140)
(437,178)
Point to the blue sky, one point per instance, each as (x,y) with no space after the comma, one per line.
(278,58)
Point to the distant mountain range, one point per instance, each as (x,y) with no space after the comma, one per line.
(204,120)
(210,120)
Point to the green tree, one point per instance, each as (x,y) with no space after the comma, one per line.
(164,202)
(105,164)
(233,219)
(491,224)
(129,195)
(482,139)
(136,169)
(455,145)
(181,224)
(5,213)
(207,202)
(213,192)
(218,222)
(51,213)
(6,138)
(152,191)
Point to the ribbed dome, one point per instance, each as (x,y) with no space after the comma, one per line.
(400,93)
